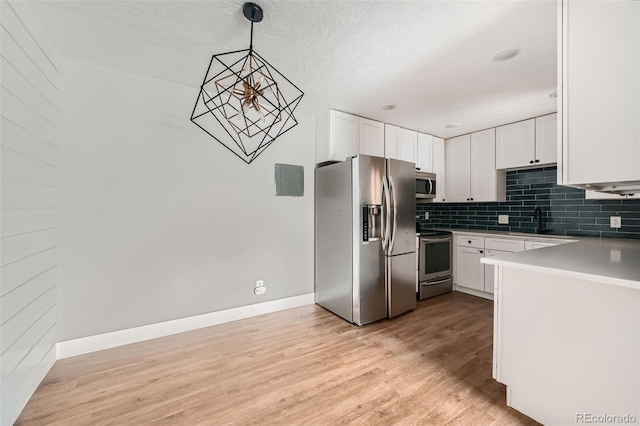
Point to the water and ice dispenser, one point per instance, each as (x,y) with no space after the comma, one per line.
(371,222)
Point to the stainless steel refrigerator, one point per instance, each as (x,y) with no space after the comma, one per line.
(365,239)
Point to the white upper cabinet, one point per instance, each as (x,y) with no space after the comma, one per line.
(424,153)
(439,169)
(515,144)
(458,168)
(599,104)
(371,138)
(343,135)
(407,143)
(546,139)
(400,143)
(391,137)
(340,135)
(471,169)
(487,184)
(527,143)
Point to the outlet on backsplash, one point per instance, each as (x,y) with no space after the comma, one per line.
(503,219)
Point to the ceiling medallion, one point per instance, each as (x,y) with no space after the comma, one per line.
(245,98)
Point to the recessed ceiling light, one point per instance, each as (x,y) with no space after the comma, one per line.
(389,107)
(452,125)
(505,54)
(553,95)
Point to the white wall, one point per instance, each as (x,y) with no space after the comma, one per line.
(158,220)
(29,169)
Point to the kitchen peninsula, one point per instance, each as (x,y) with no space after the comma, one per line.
(567,330)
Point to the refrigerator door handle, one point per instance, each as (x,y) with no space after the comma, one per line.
(395,214)
(387,199)
(383,224)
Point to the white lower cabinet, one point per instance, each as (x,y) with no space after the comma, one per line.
(497,247)
(468,271)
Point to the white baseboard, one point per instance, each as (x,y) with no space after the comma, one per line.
(473,292)
(85,345)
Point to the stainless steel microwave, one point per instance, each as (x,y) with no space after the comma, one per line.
(425,185)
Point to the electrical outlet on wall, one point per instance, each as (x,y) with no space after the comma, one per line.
(503,219)
(615,222)
(426,215)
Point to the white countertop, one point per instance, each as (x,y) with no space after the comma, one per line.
(609,261)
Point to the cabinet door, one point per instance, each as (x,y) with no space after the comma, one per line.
(439,169)
(601,81)
(469,271)
(483,166)
(546,139)
(458,168)
(515,145)
(343,135)
(406,148)
(371,137)
(424,153)
(489,270)
(391,137)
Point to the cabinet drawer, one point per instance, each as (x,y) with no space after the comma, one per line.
(504,245)
(467,241)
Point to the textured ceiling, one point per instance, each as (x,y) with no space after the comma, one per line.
(431,58)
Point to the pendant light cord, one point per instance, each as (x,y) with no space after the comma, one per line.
(251,39)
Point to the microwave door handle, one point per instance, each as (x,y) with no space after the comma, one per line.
(395,214)
(428,181)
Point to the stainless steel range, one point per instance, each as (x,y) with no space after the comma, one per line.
(435,267)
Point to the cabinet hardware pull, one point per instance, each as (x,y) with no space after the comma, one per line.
(481,252)
(537,161)
(531,162)
(469,241)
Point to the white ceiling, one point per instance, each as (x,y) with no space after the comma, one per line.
(431,58)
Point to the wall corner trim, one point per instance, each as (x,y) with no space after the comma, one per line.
(85,345)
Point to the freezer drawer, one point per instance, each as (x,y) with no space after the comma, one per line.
(401,284)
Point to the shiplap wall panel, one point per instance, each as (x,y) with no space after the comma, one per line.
(13,53)
(18,273)
(20,246)
(20,166)
(13,302)
(19,139)
(14,25)
(17,84)
(29,111)
(19,221)
(24,343)
(28,364)
(17,194)
(19,112)
(24,320)
(31,23)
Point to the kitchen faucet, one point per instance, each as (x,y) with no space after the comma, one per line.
(537,214)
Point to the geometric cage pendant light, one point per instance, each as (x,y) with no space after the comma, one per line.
(244,102)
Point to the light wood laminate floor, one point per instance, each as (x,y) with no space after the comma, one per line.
(431,366)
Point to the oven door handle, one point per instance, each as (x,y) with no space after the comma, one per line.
(438,281)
